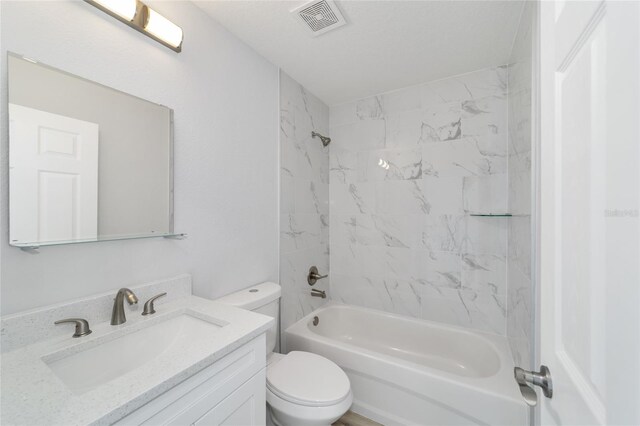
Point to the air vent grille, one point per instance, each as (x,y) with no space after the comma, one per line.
(319,16)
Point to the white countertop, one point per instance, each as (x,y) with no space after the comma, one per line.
(32,394)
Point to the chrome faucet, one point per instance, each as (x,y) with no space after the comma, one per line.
(318,293)
(117,315)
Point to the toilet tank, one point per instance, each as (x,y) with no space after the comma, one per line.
(262,298)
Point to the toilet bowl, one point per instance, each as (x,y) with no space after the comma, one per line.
(303,389)
(306,389)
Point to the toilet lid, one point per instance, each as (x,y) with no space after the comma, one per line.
(308,379)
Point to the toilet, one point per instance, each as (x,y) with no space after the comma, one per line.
(302,388)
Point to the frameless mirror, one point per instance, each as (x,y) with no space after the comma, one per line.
(86,162)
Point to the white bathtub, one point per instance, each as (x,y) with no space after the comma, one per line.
(409,371)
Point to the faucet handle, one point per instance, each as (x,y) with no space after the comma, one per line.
(148,306)
(314,276)
(82,326)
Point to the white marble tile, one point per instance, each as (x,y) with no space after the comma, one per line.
(305,174)
(287,192)
(486,312)
(475,156)
(519,188)
(520,314)
(344,166)
(443,91)
(486,235)
(370,108)
(401,197)
(342,114)
(473,85)
(448,310)
(397,166)
(519,243)
(440,269)
(394,164)
(356,290)
(300,231)
(484,273)
(361,135)
(444,195)
(441,123)
(388,262)
(487,82)
(396,299)
(485,194)
(312,161)
(311,196)
(484,117)
(353,198)
(342,229)
(389,230)
(467,309)
(344,260)
(404,129)
(406,99)
(444,232)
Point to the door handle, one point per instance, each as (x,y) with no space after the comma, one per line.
(524,378)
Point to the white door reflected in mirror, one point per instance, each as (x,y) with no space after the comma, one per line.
(53,175)
(88,162)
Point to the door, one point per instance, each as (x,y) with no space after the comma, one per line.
(589,191)
(53,177)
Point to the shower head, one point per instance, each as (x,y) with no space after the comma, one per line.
(325,140)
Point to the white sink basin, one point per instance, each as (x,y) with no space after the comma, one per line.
(88,369)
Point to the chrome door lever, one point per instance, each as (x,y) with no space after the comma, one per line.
(524,378)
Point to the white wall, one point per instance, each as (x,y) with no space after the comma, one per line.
(225,98)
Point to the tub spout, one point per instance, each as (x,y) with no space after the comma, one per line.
(318,293)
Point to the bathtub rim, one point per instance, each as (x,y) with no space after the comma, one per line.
(502,384)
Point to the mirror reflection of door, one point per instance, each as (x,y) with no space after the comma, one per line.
(53,177)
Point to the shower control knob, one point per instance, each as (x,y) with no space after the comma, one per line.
(314,276)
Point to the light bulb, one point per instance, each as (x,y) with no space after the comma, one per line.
(162,28)
(123,8)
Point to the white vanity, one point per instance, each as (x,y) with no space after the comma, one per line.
(194,361)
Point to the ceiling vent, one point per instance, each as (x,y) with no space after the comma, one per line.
(318,17)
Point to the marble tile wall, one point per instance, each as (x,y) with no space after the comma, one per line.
(304,199)
(406,170)
(519,260)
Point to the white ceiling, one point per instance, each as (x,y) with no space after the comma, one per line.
(385,45)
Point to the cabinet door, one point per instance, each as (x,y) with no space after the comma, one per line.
(245,406)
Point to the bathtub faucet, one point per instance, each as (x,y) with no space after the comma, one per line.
(318,293)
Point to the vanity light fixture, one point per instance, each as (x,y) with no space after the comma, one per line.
(144,19)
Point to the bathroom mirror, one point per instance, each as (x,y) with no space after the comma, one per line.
(86,162)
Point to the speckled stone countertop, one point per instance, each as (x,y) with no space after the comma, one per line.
(32,394)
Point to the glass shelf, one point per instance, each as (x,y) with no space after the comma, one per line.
(491,214)
(36,245)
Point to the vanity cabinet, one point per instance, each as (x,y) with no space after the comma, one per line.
(229,392)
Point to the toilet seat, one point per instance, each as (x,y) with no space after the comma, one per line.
(307,379)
